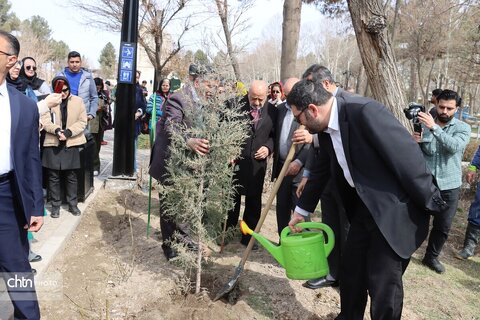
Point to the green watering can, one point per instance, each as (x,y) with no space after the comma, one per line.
(304,254)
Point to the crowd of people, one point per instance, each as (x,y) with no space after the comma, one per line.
(378,184)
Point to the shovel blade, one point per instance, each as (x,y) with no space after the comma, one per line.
(227,288)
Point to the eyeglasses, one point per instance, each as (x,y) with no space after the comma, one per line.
(5,53)
(276,91)
(19,64)
(31,67)
(297,117)
(65,90)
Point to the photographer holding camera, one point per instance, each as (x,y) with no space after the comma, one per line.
(443,141)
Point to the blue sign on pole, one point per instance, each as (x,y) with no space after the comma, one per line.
(127,60)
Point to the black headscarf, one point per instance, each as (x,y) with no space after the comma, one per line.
(34,82)
(17,83)
(63,105)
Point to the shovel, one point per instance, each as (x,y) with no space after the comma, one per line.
(227,288)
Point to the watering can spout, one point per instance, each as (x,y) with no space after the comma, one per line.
(275,251)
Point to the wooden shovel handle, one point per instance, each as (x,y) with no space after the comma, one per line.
(271,197)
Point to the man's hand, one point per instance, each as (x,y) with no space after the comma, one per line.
(261,153)
(89,117)
(302,136)
(296,218)
(36,224)
(471,177)
(426,119)
(301,186)
(417,136)
(53,100)
(293,168)
(200,146)
(138,114)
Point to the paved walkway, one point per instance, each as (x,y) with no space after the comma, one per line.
(54,232)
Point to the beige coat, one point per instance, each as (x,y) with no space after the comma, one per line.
(76,123)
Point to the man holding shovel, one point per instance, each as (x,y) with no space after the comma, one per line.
(382,179)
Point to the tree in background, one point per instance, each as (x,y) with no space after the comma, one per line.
(234,23)
(292,12)
(108,61)
(38,27)
(8,21)
(369,23)
(200,57)
(155,17)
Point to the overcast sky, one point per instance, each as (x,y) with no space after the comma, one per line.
(66,24)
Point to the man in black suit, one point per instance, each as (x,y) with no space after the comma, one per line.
(333,213)
(21,197)
(284,128)
(387,191)
(252,164)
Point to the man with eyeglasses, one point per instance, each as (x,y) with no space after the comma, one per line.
(333,213)
(21,199)
(383,182)
(81,83)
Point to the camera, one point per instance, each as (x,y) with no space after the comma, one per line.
(411,112)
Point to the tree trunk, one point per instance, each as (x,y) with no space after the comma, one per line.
(369,23)
(222,7)
(395,18)
(292,10)
(412,93)
(359,79)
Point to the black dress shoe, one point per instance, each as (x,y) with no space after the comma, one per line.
(169,253)
(74,210)
(320,283)
(55,213)
(433,264)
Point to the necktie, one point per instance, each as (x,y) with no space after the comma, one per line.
(255,115)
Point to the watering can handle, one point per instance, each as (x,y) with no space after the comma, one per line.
(315,225)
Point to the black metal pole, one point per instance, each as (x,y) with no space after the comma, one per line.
(124,148)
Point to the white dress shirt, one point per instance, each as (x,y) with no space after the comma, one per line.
(333,130)
(285,132)
(5,127)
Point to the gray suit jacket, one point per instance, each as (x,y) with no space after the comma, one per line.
(301,151)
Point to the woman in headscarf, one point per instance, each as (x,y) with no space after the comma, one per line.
(158,98)
(28,75)
(64,126)
(276,94)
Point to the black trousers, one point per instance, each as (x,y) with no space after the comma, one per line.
(168,228)
(251,214)
(334,216)
(370,267)
(286,201)
(442,223)
(54,187)
(14,249)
